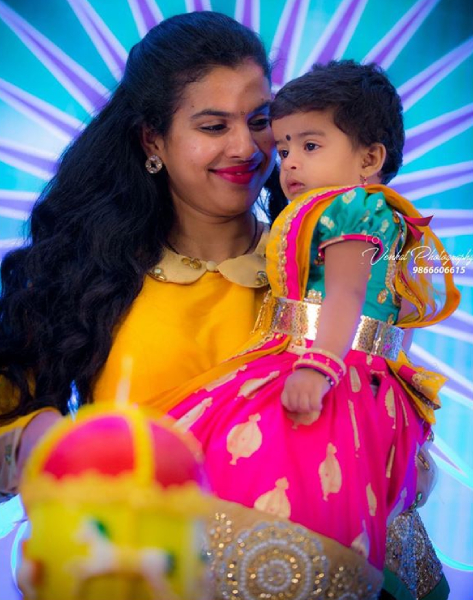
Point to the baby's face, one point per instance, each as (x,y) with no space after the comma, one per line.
(315,153)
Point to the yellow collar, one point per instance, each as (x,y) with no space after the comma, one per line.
(248,270)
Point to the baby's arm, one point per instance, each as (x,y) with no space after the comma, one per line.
(346,275)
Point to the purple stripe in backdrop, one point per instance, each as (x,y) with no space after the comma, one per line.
(45,164)
(384,52)
(444,222)
(329,51)
(198,5)
(248,13)
(419,139)
(107,43)
(286,41)
(428,77)
(35,41)
(148,16)
(408,187)
(12,203)
(28,101)
(94,97)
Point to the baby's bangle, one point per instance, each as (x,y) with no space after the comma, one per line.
(325,362)
(330,359)
(306,363)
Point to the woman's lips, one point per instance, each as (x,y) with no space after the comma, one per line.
(241,174)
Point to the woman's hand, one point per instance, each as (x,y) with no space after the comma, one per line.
(303,391)
(427,473)
(32,434)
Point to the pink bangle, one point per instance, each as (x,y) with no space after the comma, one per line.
(316,366)
(324,362)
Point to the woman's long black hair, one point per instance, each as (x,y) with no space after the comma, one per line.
(102,221)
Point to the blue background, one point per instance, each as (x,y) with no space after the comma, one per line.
(41,104)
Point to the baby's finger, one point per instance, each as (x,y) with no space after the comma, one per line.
(315,402)
(304,403)
(285,398)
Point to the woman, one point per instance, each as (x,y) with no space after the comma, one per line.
(146,265)
(112,213)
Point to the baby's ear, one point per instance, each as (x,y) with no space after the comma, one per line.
(373,159)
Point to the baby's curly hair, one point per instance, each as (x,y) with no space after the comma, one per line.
(365,104)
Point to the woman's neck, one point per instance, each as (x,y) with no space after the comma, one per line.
(214,238)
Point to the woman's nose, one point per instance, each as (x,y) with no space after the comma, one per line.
(242,144)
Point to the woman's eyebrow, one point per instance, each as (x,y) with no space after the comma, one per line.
(213,112)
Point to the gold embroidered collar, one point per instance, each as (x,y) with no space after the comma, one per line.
(248,270)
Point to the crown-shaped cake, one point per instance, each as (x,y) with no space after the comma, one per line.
(116,504)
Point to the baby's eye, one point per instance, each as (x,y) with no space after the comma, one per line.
(259,124)
(310,146)
(283,153)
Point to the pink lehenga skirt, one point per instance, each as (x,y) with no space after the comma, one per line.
(341,476)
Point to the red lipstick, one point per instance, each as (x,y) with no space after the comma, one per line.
(240,174)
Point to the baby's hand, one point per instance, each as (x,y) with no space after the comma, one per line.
(304,390)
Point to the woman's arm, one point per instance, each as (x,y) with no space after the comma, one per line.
(33,432)
(17,440)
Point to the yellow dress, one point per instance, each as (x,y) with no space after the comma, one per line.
(189,316)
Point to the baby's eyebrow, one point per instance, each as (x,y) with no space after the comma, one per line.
(312,132)
(302,134)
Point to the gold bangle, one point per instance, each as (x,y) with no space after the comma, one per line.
(331,376)
(328,354)
(318,366)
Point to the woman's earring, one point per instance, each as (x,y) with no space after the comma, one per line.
(153,164)
(363,180)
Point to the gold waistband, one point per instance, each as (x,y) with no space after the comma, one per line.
(299,319)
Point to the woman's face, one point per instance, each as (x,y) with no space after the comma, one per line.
(220,148)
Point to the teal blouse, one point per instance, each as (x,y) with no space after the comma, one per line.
(362,216)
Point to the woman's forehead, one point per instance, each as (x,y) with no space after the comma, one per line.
(236,90)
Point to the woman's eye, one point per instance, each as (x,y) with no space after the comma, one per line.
(259,124)
(311,146)
(213,128)
(283,154)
